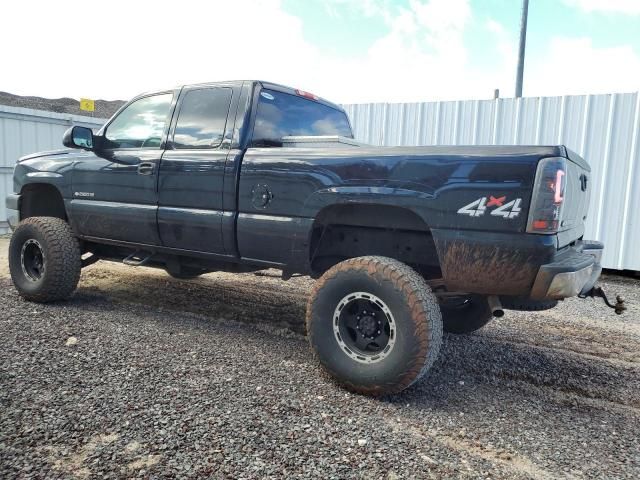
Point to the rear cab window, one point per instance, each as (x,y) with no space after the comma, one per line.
(282,114)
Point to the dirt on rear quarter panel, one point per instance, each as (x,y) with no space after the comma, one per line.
(489,269)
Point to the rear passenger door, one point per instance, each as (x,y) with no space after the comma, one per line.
(191,178)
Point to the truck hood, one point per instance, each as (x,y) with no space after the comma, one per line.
(50,153)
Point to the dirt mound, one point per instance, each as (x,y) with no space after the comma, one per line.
(103,108)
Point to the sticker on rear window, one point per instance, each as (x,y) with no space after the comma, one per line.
(267,95)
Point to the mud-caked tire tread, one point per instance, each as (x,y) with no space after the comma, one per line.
(424,311)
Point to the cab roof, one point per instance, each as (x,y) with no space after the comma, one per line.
(261,83)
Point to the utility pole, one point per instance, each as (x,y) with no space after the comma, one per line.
(523,43)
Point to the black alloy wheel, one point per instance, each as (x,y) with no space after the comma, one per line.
(364,327)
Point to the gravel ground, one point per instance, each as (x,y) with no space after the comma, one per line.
(140,375)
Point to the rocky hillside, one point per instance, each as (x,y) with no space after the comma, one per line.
(103,108)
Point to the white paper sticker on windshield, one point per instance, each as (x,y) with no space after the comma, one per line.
(267,95)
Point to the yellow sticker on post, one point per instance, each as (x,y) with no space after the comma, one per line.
(87,104)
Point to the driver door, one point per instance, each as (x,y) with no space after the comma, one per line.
(114,189)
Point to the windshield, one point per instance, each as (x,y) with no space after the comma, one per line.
(282,114)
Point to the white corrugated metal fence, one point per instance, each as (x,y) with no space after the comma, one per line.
(24,131)
(604,129)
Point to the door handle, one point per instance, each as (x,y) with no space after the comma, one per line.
(146,168)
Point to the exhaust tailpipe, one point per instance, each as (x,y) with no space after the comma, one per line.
(495,306)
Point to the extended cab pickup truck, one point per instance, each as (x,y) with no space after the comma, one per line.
(247,175)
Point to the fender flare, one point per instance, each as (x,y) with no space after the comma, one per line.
(347,195)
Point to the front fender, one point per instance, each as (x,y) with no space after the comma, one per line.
(41,171)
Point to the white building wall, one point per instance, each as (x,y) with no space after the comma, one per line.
(604,129)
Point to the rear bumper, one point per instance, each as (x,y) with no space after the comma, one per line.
(573,272)
(12,203)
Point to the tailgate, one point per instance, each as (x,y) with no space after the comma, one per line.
(576,199)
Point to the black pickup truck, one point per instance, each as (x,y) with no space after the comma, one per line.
(247,175)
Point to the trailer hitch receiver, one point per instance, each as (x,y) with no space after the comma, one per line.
(598,292)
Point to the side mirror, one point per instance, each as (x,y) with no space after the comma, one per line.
(78,137)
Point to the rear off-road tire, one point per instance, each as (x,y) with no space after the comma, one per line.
(526,304)
(44,259)
(466,315)
(185,273)
(374,325)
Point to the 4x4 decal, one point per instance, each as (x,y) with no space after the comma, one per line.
(478,207)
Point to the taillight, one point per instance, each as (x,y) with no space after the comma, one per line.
(545,214)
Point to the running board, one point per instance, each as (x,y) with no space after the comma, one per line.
(137,259)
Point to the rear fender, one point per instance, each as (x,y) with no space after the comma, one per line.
(320,201)
(365,195)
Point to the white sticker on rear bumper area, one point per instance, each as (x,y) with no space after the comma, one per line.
(481,205)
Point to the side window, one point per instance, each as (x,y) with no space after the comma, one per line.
(202,118)
(141,124)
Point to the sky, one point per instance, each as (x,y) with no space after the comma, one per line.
(349,51)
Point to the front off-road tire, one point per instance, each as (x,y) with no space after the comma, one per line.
(465,315)
(374,324)
(44,259)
